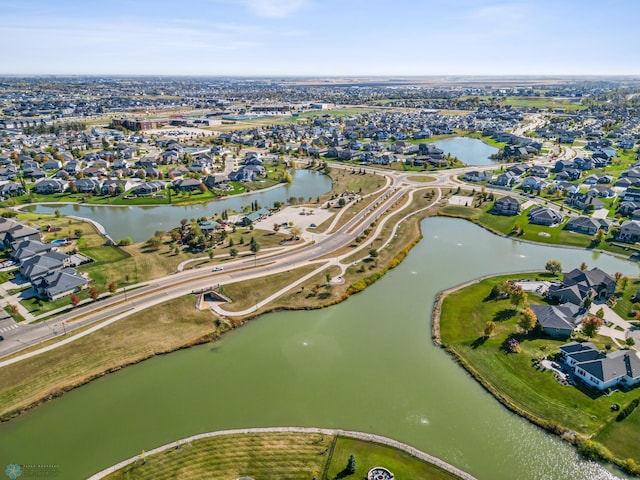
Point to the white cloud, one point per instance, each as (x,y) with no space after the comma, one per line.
(274,8)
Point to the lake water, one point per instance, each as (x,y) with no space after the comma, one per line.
(366,364)
(141,222)
(471,151)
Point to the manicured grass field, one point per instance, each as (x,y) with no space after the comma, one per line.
(622,438)
(277,456)
(369,455)
(287,456)
(512,376)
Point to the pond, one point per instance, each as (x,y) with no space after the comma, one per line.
(141,222)
(366,364)
(471,151)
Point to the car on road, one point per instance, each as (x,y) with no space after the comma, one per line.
(313,225)
(218,269)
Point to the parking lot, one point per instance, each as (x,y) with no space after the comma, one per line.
(302,217)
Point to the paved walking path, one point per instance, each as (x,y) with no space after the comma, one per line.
(369,437)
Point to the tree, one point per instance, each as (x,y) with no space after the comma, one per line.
(373,253)
(527,320)
(112,287)
(233,252)
(351,465)
(211,254)
(255,247)
(600,313)
(553,266)
(624,282)
(75,300)
(295,232)
(617,276)
(489,328)
(587,303)
(583,266)
(93,293)
(630,341)
(599,236)
(276,227)
(591,325)
(231,244)
(77,233)
(342,202)
(518,296)
(155,243)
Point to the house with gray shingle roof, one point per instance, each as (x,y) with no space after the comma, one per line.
(58,284)
(558,320)
(621,368)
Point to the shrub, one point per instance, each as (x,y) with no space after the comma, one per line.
(628,409)
(123,242)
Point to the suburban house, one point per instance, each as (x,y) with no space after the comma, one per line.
(148,188)
(587,225)
(41,265)
(577,285)
(12,232)
(544,216)
(506,206)
(630,231)
(12,189)
(87,185)
(187,184)
(558,320)
(58,284)
(477,176)
(506,179)
(615,369)
(50,185)
(29,248)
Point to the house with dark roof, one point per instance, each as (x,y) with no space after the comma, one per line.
(41,265)
(12,232)
(506,205)
(575,352)
(12,189)
(186,184)
(587,225)
(630,231)
(616,369)
(29,248)
(58,284)
(50,185)
(544,216)
(578,283)
(558,320)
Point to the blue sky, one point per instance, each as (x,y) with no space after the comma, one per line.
(320,37)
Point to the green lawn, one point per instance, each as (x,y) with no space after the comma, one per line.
(512,376)
(277,456)
(622,438)
(506,224)
(369,455)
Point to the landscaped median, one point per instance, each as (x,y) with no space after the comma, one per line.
(583,416)
(283,452)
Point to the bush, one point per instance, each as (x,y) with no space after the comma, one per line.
(628,409)
(123,242)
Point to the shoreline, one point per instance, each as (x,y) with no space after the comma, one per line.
(368,437)
(362,283)
(560,431)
